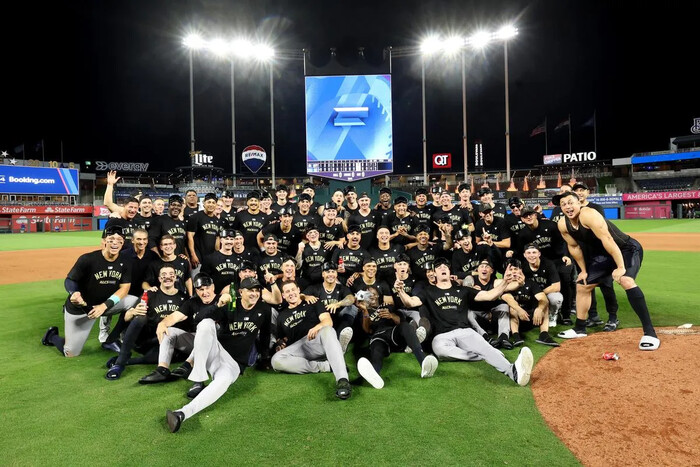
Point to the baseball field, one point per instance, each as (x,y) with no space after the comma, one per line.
(580,409)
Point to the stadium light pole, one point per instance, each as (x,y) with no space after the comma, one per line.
(428,46)
(506,33)
(192,42)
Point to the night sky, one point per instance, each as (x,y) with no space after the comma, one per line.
(111,79)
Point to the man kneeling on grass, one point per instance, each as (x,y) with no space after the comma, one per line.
(307,342)
(223,356)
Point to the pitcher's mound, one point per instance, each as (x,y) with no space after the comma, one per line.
(643,409)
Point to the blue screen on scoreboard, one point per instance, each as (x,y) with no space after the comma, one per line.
(38,180)
(349,126)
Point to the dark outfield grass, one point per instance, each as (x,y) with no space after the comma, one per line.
(58,410)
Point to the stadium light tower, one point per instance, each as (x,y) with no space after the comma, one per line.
(505,34)
(192,42)
(430,45)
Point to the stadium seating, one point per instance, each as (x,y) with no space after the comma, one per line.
(666,184)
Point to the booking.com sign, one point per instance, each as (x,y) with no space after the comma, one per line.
(442,161)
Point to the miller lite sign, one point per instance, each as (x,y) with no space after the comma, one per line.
(442,161)
(199,159)
(254,158)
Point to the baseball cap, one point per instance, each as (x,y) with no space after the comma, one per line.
(401,200)
(385,189)
(463,186)
(485,208)
(428,265)
(363,195)
(310,226)
(330,205)
(349,189)
(309,185)
(228,233)
(368,260)
(209,196)
(435,189)
(227,194)
(354,228)
(581,185)
(202,280)
(403,258)
(422,228)
(514,263)
(515,201)
(526,211)
(530,246)
(440,261)
(556,199)
(329,266)
(250,283)
(253,195)
(304,197)
(270,237)
(113,230)
(486,261)
(484,191)
(176,199)
(246,264)
(460,234)
(421,191)
(286,211)
(282,188)
(265,194)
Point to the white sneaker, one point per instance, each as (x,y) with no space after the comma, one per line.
(649,343)
(367,371)
(523,367)
(421,334)
(345,338)
(427,369)
(571,334)
(323,366)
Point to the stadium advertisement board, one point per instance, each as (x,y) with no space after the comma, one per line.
(53,210)
(661,196)
(38,180)
(349,126)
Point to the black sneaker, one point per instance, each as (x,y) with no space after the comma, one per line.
(195,390)
(113,346)
(110,363)
(159,375)
(174,419)
(46,340)
(183,371)
(517,340)
(546,339)
(343,390)
(593,321)
(611,326)
(504,342)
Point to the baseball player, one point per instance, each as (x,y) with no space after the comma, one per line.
(223,354)
(282,194)
(177,262)
(170,224)
(191,204)
(388,332)
(351,205)
(353,254)
(601,249)
(486,197)
(203,232)
(544,273)
(304,215)
(385,253)
(424,252)
(98,284)
(330,230)
(445,306)
(310,256)
(367,219)
(221,265)
(287,234)
(307,342)
(422,211)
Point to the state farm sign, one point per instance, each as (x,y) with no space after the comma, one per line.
(442,161)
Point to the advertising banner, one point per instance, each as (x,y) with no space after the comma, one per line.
(38,180)
(661,196)
(55,210)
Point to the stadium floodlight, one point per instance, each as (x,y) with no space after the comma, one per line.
(430,45)
(194,42)
(219,47)
(242,48)
(453,44)
(506,32)
(480,39)
(263,52)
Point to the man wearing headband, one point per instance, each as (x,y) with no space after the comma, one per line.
(170,224)
(203,232)
(222,347)
(97,285)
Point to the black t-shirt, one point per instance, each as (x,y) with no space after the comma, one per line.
(447,308)
(499,211)
(182,272)
(420,257)
(250,225)
(544,276)
(248,254)
(140,268)
(196,311)
(556,214)
(479,286)
(514,224)
(377,323)
(384,213)
(464,264)
(525,295)
(295,323)
(146,223)
(408,285)
(547,238)
(161,305)
(312,260)
(597,207)
(276,206)
(330,234)
(127,226)
(163,225)
(188,211)
(272,263)
(97,279)
(227,218)
(206,230)
(456,216)
(422,215)
(300,220)
(369,225)
(394,222)
(287,242)
(383,287)
(352,260)
(221,268)
(338,293)
(385,260)
(498,229)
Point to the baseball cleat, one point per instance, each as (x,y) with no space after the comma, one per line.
(611,326)
(649,343)
(159,375)
(421,334)
(195,390)
(174,419)
(547,340)
(183,371)
(504,343)
(343,390)
(428,367)
(367,371)
(46,340)
(517,339)
(522,368)
(110,363)
(571,334)
(345,338)
(593,322)
(113,346)
(114,373)
(566,322)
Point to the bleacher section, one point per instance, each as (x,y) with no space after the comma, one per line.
(666,184)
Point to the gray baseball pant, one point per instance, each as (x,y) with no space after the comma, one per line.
(556,299)
(301,356)
(210,358)
(465,344)
(78,327)
(178,339)
(500,312)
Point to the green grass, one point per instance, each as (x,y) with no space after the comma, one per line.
(57,408)
(659,225)
(34,241)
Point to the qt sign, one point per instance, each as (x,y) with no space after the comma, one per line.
(442,161)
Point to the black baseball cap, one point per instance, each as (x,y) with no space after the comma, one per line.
(304,197)
(310,226)
(265,194)
(527,210)
(330,205)
(421,191)
(329,266)
(354,228)
(556,199)
(485,208)
(309,185)
(270,237)
(229,233)
(460,234)
(400,200)
(250,283)
(486,260)
(484,191)
(515,201)
(463,186)
(253,195)
(246,264)
(369,259)
(209,196)
(282,188)
(440,261)
(286,211)
(113,230)
(363,195)
(578,185)
(385,189)
(202,280)
(175,199)
(349,189)
(422,228)
(435,189)
(530,246)
(403,258)
(227,194)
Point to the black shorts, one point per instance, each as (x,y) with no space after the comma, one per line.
(524,326)
(601,266)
